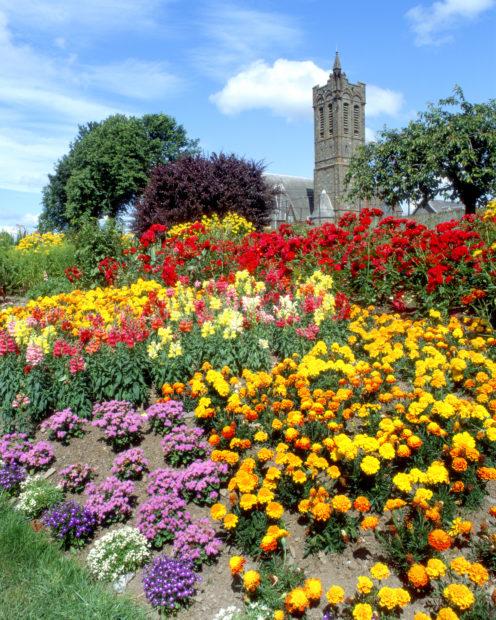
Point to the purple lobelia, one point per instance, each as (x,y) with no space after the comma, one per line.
(163,416)
(183,445)
(63,425)
(75,477)
(159,518)
(169,583)
(122,426)
(11,476)
(110,501)
(73,525)
(197,543)
(130,465)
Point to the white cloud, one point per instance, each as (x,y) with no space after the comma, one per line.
(285,88)
(433,23)
(237,36)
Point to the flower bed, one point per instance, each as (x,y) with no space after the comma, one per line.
(286,422)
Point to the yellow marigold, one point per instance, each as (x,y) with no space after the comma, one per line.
(335,595)
(274,510)
(218,511)
(333,472)
(265,495)
(446,613)
(478,574)
(460,565)
(420,615)
(320,511)
(459,595)
(379,571)
(341,503)
(364,584)
(278,614)
(389,598)
(435,568)
(247,501)
(237,564)
(299,476)
(402,482)
(251,581)
(296,601)
(369,523)
(313,589)
(417,576)
(394,504)
(230,521)
(362,611)
(370,465)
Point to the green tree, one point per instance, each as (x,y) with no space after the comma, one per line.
(449,150)
(108,165)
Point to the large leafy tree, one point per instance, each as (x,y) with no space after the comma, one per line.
(190,187)
(449,150)
(108,165)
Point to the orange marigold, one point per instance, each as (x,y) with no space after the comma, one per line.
(251,580)
(362,504)
(439,540)
(369,523)
(417,576)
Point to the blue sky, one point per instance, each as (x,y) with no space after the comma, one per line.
(237,74)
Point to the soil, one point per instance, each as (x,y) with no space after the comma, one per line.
(216,590)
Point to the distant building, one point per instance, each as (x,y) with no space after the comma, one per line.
(438,207)
(339,129)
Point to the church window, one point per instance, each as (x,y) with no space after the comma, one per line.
(321,121)
(331,119)
(346,117)
(356,120)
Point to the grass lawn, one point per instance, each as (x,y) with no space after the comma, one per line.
(38,582)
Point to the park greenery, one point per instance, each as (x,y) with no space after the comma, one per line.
(450,150)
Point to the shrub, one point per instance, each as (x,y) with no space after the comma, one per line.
(37,495)
(130,465)
(75,477)
(183,445)
(191,187)
(121,424)
(117,553)
(197,543)
(110,501)
(63,425)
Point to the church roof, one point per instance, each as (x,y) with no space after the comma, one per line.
(298,190)
(440,206)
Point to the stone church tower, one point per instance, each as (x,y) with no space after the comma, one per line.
(339,128)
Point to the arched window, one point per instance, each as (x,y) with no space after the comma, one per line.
(346,117)
(331,119)
(356,119)
(321,121)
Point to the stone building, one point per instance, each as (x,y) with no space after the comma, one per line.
(339,128)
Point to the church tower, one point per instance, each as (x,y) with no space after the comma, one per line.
(339,128)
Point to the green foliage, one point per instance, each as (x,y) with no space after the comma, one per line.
(94,242)
(446,151)
(38,582)
(119,373)
(21,271)
(405,540)
(249,531)
(108,166)
(333,536)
